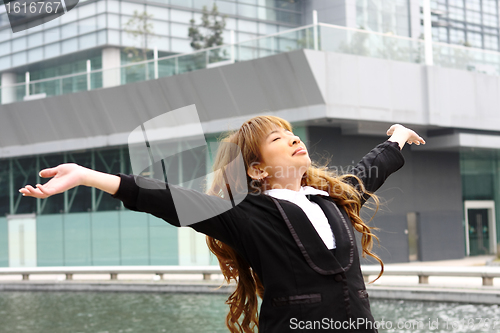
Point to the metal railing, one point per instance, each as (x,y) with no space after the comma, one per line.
(112,271)
(486,273)
(321,36)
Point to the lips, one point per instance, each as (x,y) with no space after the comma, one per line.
(298,150)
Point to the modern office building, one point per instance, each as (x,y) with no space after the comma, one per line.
(72,91)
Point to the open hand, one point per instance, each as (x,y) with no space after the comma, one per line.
(65,177)
(403,133)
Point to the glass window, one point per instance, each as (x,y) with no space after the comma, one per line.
(472,27)
(70,45)
(242,37)
(70,16)
(129,40)
(473,17)
(180,45)
(267,29)
(35,54)
(250,2)
(490,6)
(457,36)
(52,50)
(87,10)
(474,39)
(4,19)
(69,30)
(5,62)
(5,34)
(180,16)
(101,6)
(261,13)
(114,37)
(113,21)
(87,25)
(230,23)
(113,6)
(51,35)
(183,3)
(88,41)
(161,42)
(456,3)
(226,7)
(128,8)
(197,17)
(19,44)
(101,21)
(456,14)
(19,59)
(160,28)
(159,13)
(52,23)
(491,42)
(101,37)
(491,30)
(5,48)
(199,4)
(491,20)
(473,5)
(247,26)
(179,30)
(247,11)
(4,183)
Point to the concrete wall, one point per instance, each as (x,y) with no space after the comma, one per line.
(429,184)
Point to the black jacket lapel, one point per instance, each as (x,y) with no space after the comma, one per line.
(341,227)
(310,243)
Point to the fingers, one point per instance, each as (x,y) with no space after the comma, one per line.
(30,191)
(46,173)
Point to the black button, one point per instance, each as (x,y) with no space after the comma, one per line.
(338,277)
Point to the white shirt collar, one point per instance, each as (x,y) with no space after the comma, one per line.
(290,194)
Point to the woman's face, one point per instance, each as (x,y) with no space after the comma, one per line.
(283,156)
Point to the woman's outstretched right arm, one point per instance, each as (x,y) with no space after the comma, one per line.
(69,175)
(207,214)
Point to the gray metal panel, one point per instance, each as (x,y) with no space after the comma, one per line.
(105,116)
(463,99)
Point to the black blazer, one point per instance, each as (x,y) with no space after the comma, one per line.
(307,288)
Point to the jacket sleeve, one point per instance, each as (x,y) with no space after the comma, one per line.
(376,166)
(155,197)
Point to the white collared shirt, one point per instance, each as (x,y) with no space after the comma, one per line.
(311,209)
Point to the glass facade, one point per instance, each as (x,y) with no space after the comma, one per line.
(466,22)
(480,169)
(387,16)
(93,25)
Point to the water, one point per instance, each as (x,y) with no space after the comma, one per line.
(58,312)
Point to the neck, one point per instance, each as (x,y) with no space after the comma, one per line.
(281,183)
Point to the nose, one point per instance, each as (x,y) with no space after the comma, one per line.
(294,140)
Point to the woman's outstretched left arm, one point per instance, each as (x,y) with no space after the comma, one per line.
(402,135)
(383,160)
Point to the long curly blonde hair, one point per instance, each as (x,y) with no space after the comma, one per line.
(346,190)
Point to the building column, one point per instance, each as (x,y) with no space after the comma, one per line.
(339,12)
(8,93)
(111,62)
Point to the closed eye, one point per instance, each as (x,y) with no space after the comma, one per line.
(276,139)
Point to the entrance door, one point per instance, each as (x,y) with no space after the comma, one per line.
(22,240)
(480,227)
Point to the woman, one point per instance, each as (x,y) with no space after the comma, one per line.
(299,256)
